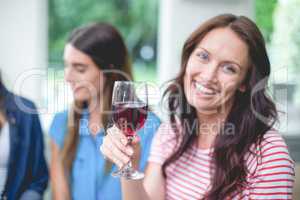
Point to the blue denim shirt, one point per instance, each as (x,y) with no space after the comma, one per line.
(27,171)
(89,179)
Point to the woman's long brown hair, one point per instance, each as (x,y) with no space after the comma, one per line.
(105,46)
(252,114)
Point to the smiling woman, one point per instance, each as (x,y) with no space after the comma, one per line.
(216,70)
(219,142)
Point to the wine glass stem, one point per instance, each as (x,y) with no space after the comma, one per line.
(128,166)
(130,139)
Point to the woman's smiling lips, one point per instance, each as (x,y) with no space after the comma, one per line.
(204,89)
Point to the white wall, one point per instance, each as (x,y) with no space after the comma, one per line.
(178,18)
(23,45)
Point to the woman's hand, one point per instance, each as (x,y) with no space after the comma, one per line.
(117,149)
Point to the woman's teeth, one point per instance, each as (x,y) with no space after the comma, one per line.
(204,89)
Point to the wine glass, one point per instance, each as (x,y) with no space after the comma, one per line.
(130,105)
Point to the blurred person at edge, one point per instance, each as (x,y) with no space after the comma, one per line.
(219,143)
(23,169)
(95,57)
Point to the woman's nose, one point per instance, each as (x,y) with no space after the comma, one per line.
(210,72)
(68,74)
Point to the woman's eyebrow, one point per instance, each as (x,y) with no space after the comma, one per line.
(77,64)
(201,48)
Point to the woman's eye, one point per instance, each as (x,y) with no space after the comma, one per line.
(80,70)
(203,56)
(228,68)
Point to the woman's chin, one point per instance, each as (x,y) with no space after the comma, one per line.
(205,107)
(80,98)
(206,110)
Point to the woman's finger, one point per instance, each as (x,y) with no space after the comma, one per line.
(118,143)
(117,153)
(115,132)
(118,138)
(110,156)
(114,149)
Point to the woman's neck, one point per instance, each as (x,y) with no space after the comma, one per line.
(209,127)
(211,123)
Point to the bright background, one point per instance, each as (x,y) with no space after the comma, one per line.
(33,34)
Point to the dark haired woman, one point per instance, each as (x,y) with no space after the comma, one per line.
(219,143)
(95,56)
(23,169)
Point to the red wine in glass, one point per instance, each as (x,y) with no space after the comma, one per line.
(130,105)
(129,117)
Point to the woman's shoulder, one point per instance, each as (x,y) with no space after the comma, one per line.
(60,116)
(23,112)
(272,139)
(22,101)
(271,151)
(165,143)
(59,119)
(20,104)
(16,103)
(271,142)
(166,134)
(271,166)
(58,127)
(273,146)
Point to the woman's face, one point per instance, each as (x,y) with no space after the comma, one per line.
(85,78)
(215,71)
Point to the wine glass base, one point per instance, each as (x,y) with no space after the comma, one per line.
(129,175)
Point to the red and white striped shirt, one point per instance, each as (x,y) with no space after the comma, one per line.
(271,169)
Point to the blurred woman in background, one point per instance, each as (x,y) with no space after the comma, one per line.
(23,169)
(95,57)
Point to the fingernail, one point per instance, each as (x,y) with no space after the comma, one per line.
(124,141)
